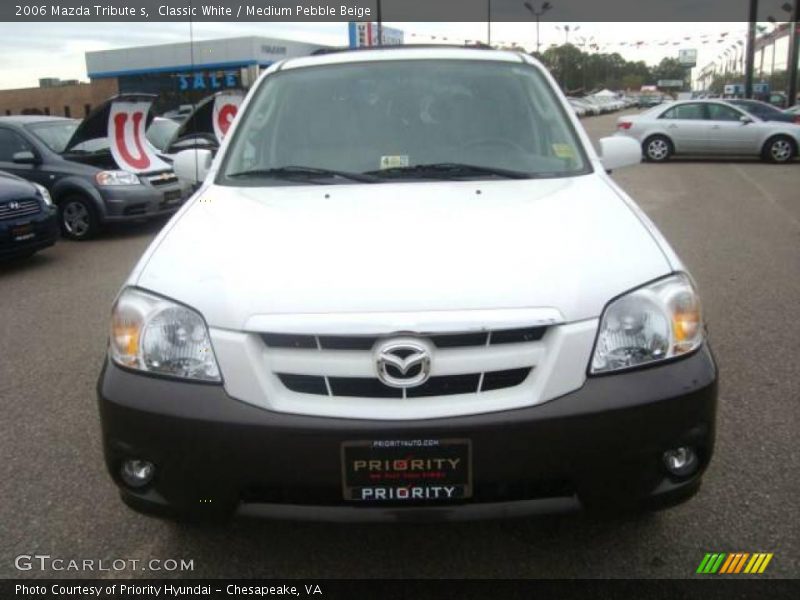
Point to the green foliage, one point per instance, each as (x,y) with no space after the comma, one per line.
(579,71)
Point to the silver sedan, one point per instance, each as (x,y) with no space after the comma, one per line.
(712,127)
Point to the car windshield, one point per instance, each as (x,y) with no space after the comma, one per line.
(398,119)
(54,134)
(160,132)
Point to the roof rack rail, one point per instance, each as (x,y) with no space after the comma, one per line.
(337,49)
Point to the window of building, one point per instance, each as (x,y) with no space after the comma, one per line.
(87,108)
(67,112)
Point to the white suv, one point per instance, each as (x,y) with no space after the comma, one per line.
(407,287)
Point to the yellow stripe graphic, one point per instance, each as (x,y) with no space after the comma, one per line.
(753,564)
(765,563)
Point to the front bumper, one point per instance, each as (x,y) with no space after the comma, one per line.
(131,203)
(41,232)
(599,446)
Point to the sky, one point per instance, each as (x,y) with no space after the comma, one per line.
(29,51)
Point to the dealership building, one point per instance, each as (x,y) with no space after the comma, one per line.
(178,73)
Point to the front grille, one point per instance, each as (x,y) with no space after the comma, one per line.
(370,387)
(21,208)
(366,342)
(163,178)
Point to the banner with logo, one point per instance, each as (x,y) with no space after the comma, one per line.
(226,106)
(127,122)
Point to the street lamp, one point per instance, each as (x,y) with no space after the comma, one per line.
(566,31)
(537,12)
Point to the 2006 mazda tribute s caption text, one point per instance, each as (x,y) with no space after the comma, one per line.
(407,288)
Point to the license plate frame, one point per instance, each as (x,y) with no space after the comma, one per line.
(407,471)
(23,233)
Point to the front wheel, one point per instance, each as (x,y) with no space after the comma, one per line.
(779,149)
(657,148)
(77,218)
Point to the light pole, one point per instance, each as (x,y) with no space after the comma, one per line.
(751,49)
(537,12)
(793,58)
(566,31)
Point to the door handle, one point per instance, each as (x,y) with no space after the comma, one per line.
(715,127)
(673,126)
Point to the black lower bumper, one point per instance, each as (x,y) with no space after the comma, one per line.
(600,446)
(22,237)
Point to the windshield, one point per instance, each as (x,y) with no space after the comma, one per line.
(54,134)
(160,132)
(394,117)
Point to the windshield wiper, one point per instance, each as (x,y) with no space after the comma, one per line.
(290,172)
(448,170)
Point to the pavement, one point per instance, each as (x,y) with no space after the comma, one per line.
(735,224)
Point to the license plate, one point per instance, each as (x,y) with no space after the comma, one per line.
(22,233)
(407,471)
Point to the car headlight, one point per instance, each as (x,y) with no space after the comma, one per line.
(117,178)
(655,322)
(156,335)
(44,194)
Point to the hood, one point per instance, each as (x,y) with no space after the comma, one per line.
(14,188)
(242,252)
(95,125)
(200,124)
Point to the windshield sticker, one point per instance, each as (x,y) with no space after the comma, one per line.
(393,161)
(129,146)
(563,151)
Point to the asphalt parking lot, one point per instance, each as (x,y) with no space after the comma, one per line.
(735,224)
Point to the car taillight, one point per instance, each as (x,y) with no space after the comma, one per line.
(624,125)
(797,119)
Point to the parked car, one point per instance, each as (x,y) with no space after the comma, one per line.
(579,107)
(379,305)
(650,100)
(764,111)
(161,131)
(794,110)
(714,127)
(72,160)
(28,220)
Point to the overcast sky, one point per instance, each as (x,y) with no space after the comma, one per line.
(29,51)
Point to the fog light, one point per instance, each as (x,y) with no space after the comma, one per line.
(137,473)
(681,461)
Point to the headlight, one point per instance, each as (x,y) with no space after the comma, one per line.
(44,194)
(152,334)
(658,321)
(116,178)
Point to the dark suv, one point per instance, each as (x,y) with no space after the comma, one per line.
(27,217)
(72,160)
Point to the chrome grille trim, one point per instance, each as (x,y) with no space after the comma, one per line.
(25,208)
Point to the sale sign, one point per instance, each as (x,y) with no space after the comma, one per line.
(127,122)
(225,108)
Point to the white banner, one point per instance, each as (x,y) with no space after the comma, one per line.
(225,108)
(129,146)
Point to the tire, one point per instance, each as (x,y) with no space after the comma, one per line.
(77,218)
(657,148)
(779,149)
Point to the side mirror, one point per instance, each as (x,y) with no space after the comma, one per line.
(619,151)
(745,120)
(192,165)
(26,157)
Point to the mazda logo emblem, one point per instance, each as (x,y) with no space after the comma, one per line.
(403,362)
